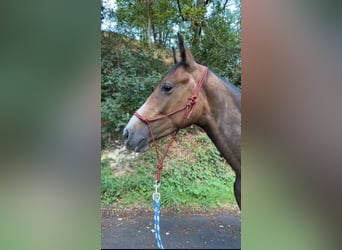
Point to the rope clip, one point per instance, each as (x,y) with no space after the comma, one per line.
(156,194)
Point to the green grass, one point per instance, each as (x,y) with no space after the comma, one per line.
(193,175)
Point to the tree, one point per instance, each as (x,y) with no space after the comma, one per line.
(149,20)
(195,14)
(211,28)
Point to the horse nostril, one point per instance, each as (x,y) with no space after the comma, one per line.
(125,135)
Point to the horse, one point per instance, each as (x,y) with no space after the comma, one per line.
(191,93)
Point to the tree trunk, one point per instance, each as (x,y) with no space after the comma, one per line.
(196,25)
(149,21)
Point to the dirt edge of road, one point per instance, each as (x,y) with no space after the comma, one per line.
(130,212)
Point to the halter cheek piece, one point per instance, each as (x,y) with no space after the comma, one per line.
(188,107)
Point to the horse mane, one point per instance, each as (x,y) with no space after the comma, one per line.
(233,87)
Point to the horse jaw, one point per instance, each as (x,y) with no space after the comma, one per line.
(136,136)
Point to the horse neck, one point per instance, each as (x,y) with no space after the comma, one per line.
(221,119)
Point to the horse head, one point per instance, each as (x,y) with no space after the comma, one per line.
(171,106)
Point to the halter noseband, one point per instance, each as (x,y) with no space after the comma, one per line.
(189,107)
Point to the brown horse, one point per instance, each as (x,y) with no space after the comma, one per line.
(191,94)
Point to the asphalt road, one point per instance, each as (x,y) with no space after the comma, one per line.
(133,229)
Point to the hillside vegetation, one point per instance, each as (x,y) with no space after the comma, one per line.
(194,175)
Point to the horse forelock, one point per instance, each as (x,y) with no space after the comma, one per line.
(174,68)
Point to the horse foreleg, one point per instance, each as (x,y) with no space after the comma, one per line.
(237,190)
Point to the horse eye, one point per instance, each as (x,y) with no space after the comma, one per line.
(166,88)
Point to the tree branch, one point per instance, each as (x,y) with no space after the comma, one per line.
(224,6)
(180,10)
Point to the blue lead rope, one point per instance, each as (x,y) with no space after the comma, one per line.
(156,207)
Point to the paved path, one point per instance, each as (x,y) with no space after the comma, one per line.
(188,231)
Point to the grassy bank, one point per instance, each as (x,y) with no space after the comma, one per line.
(194,174)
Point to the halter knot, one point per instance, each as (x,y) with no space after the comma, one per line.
(160,165)
(191,101)
(191,105)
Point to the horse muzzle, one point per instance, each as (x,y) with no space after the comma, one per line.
(136,135)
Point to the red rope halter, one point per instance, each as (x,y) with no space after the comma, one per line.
(189,107)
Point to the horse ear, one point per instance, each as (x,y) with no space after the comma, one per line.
(174,55)
(185,53)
